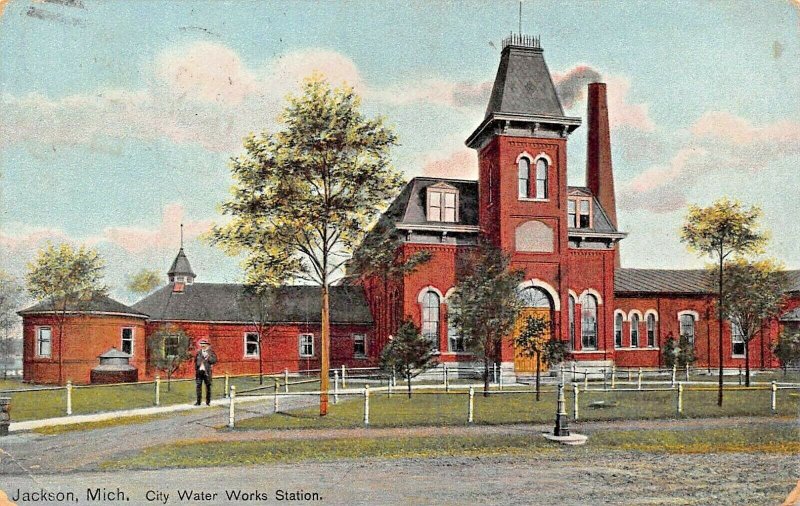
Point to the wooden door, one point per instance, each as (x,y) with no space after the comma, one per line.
(524,363)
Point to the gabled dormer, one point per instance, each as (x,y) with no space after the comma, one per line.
(441,203)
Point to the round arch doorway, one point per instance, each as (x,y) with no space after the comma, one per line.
(536,303)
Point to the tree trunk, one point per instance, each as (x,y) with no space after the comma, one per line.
(324,358)
(260,360)
(719,316)
(747,363)
(60,353)
(408,381)
(538,375)
(485,376)
(169,380)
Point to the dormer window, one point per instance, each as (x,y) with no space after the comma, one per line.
(442,203)
(579,213)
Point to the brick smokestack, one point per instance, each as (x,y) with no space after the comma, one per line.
(599,171)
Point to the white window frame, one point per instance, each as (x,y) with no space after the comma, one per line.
(634,324)
(619,317)
(524,174)
(546,180)
(257,343)
(122,339)
(593,335)
(648,317)
(439,213)
(309,342)
(362,338)
(695,318)
(740,334)
(39,341)
(427,321)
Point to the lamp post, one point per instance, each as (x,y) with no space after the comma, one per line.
(562,424)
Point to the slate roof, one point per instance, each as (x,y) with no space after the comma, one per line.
(98,304)
(523,85)
(600,221)
(180,265)
(221,302)
(409,207)
(694,281)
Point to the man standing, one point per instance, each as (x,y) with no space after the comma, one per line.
(203,363)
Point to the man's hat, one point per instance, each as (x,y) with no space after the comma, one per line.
(204,341)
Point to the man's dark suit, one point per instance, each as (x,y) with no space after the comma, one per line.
(202,372)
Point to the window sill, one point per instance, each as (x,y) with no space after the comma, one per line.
(306,356)
(579,352)
(636,348)
(360,357)
(738,356)
(453,353)
(528,199)
(250,357)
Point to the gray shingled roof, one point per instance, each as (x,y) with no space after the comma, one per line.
(180,265)
(523,85)
(695,281)
(229,303)
(98,304)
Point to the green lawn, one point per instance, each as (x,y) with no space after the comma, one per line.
(779,438)
(37,404)
(442,409)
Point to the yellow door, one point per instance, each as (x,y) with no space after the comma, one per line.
(524,363)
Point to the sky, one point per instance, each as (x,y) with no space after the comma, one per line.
(118,118)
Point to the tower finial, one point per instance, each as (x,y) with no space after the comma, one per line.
(181,235)
(520,17)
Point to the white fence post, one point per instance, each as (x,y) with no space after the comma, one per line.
(227,384)
(680,398)
(158,390)
(674,371)
(687,372)
(286,380)
(232,406)
(446,379)
(562,370)
(573,372)
(275,400)
(613,377)
(366,405)
(740,375)
(639,379)
(69,397)
(774,397)
(344,377)
(394,377)
(335,387)
(389,387)
(471,409)
(494,372)
(500,379)
(575,389)
(586,379)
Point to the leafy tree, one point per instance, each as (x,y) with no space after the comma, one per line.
(304,196)
(531,342)
(66,279)
(261,304)
(169,348)
(144,282)
(485,303)
(720,230)
(10,300)
(678,353)
(754,293)
(787,349)
(379,255)
(408,353)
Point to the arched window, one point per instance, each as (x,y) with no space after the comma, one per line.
(651,330)
(635,331)
(534,296)
(618,330)
(455,342)
(430,317)
(572,342)
(523,177)
(687,327)
(589,323)
(541,178)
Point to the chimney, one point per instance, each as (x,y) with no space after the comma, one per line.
(599,172)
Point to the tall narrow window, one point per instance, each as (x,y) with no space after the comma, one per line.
(306,345)
(737,340)
(44,341)
(572,215)
(589,323)
(572,342)
(687,327)
(449,207)
(251,344)
(127,340)
(651,330)
(523,177)
(434,206)
(454,340)
(172,344)
(541,178)
(584,218)
(359,345)
(635,331)
(430,317)
(618,330)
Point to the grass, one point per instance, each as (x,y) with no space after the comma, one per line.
(35,404)
(773,439)
(441,409)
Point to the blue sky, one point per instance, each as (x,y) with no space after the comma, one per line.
(117,118)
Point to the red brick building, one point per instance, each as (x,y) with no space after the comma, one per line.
(565,238)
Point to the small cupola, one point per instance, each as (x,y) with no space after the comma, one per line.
(181,273)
